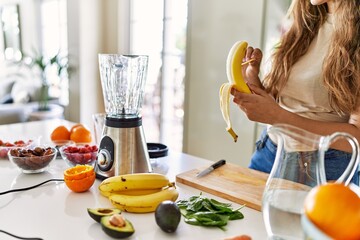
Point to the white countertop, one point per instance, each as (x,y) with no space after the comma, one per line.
(53,212)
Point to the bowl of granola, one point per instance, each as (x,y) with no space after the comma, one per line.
(32,159)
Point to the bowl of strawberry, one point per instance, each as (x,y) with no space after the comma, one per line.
(79,154)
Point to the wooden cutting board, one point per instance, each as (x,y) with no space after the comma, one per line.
(230,181)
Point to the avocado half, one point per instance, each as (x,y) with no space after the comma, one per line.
(98,213)
(114,231)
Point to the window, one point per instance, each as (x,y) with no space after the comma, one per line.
(161,34)
(53,36)
(10,28)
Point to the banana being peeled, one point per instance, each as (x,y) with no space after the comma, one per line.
(236,80)
(143,203)
(134,184)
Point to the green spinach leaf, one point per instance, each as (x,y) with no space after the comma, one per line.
(202,211)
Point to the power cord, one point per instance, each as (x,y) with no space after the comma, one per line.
(18,237)
(31,187)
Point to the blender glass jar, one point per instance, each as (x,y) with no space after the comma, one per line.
(123,80)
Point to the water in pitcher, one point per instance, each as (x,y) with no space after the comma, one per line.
(282,214)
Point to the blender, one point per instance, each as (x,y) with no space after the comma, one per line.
(122,149)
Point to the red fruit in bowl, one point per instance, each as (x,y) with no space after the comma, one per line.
(87,156)
(19,143)
(78,158)
(6,146)
(3,153)
(83,154)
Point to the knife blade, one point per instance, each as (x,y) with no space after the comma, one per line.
(211,168)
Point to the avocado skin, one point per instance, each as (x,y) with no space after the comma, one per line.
(117,232)
(98,213)
(167,216)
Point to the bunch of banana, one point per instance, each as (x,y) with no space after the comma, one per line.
(138,192)
(235,79)
(144,203)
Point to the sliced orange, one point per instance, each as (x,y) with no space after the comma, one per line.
(60,133)
(81,134)
(79,178)
(78,172)
(335,209)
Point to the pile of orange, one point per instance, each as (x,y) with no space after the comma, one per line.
(78,133)
(79,178)
(335,209)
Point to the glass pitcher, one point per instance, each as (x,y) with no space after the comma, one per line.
(299,165)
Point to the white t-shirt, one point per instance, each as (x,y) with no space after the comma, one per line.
(304,93)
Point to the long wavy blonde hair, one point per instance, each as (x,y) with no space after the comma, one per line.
(341,66)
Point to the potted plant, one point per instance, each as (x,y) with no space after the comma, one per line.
(43,66)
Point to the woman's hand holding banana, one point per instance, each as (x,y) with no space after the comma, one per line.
(235,71)
(243,68)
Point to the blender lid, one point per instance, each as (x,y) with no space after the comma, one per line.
(157,150)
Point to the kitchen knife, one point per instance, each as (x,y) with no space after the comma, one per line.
(211,168)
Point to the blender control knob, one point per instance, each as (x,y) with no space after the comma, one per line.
(104,160)
(105,157)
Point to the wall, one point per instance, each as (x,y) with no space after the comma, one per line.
(213,27)
(93,29)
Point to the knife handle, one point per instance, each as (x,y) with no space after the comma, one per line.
(218,163)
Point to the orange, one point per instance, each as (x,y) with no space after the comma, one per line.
(335,209)
(80,134)
(79,178)
(60,133)
(75,126)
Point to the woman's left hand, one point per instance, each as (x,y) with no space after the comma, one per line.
(251,70)
(258,106)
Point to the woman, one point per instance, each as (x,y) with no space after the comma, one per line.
(314,81)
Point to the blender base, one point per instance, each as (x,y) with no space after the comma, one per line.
(122,150)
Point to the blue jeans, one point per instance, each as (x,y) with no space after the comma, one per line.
(336,161)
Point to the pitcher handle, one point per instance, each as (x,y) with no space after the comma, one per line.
(354,161)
